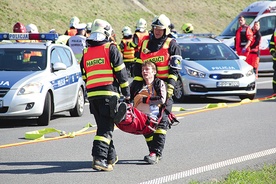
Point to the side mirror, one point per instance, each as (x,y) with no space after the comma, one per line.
(59,66)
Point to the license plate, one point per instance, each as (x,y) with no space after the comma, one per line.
(1,103)
(228,84)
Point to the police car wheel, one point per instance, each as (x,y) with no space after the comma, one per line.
(77,111)
(178,91)
(250,97)
(45,118)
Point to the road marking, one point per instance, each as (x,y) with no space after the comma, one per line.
(210,167)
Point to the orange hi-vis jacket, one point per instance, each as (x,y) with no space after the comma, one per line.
(128,52)
(141,37)
(97,66)
(243,34)
(72,32)
(160,58)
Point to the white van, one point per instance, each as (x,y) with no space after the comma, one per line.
(265,13)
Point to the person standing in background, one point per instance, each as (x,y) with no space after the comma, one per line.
(253,57)
(128,52)
(244,38)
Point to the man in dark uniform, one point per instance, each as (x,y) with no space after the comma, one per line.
(104,72)
(158,49)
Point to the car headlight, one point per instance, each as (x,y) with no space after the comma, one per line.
(250,72)
(195,73)
(34,87)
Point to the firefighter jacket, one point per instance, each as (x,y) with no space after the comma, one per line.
(128,52)
(272,46)
(104,71)
(243,35)
(137,40)
(159,52)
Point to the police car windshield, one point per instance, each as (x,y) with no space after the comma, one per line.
(207,51)
(231,29)
(22,60)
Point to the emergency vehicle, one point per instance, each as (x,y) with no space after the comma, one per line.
(39,78)
(265,13)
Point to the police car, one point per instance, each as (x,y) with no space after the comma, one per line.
(211,68)
(38,78)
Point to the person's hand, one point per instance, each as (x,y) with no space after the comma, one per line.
(273,54)
(127,99)
(243,50)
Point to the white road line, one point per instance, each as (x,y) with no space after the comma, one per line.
(210,167)
(264,82)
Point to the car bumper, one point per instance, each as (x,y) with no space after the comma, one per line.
(208,87)
(22,106)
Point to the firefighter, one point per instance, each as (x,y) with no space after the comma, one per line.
(158,49)
(272,50)
(187,28)
(78,42)
(72,31)
(20,28)
(253,57)
(104,72)
(128,52)
(88,29)
(32,28)
(140,34)
(244,37)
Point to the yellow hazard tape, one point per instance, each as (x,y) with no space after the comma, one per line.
(40,134)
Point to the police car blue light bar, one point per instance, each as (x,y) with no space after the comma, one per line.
(29,36)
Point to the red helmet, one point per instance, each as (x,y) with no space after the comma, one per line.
(19,28)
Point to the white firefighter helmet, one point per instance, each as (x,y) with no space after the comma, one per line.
(141,25)
(126,31)
(74,21)
(31,28)
(162,22)
(100,30)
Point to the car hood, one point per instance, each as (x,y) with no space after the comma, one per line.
(10,78)
(214,65)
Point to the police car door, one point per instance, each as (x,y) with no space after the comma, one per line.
(64,88)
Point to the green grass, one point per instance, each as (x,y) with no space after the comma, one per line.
(266,175)
(207,16)
(210,16)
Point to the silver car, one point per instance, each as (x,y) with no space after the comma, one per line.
(38,79)
(211,68)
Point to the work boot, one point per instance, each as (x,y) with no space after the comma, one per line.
(120,115)
(101,165)
(152,158)
(113,161)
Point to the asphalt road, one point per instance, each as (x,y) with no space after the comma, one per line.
(205,146)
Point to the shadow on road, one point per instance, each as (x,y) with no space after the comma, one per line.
(45,167)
